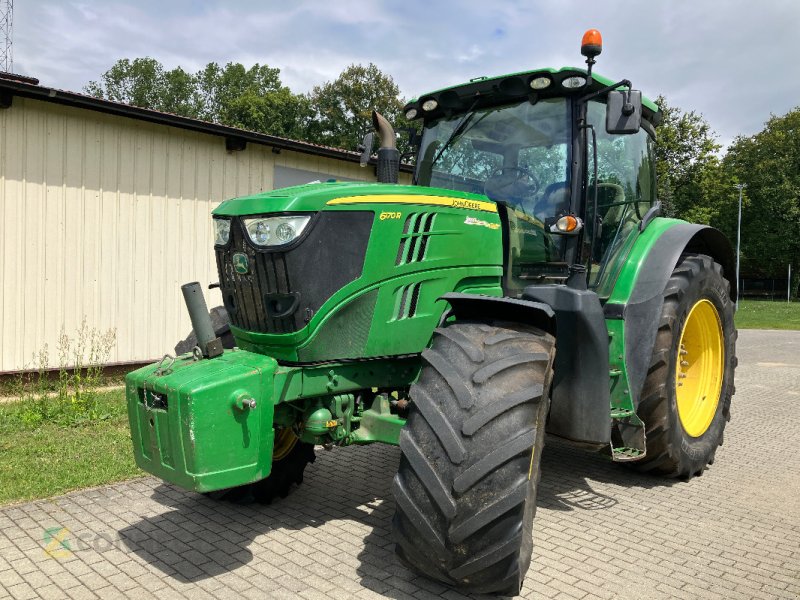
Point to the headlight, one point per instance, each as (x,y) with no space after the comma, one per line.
(429,105)
(540,83)
(275,231)
(222,231)
(574,82)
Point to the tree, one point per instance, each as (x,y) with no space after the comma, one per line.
(144,82)
(685,155)
(336,113)
(233,95)
(253,99)
(769,163)
(344,106)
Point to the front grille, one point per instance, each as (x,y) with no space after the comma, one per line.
(283,289)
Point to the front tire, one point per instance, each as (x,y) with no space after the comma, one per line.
(466,486)
(687,394)
(289,460)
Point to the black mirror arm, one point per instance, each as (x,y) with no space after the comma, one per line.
(610,88)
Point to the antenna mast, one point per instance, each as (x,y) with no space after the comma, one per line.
(6,48)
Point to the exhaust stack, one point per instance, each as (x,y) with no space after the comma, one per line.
(388,156)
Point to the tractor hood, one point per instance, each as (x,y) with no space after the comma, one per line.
(363,277)
(314,197)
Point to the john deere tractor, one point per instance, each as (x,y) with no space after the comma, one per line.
(524,283)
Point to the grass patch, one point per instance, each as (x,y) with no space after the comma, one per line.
(762,314)
(45,457)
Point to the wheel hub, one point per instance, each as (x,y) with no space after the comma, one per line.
(699,368)
(285,440)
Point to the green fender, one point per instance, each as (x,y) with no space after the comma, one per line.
(634,307)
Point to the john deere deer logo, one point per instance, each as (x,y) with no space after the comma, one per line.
(240,263)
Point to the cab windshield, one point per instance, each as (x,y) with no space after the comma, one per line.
(517,155)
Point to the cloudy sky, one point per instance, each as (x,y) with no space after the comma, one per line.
(733,60)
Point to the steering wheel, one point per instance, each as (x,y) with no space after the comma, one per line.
(515,182)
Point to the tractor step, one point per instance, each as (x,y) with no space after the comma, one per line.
(622,413)
(628,440)
(624,454)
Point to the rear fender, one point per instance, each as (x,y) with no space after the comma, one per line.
(640,306)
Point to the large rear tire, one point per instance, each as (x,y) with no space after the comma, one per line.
(686,396)
(471,448)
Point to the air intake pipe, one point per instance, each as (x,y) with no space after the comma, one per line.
(207,341)
(388,155)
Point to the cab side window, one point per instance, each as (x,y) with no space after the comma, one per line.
(625,192)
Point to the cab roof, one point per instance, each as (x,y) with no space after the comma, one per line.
(491,91)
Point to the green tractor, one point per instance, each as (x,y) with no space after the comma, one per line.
(525,283)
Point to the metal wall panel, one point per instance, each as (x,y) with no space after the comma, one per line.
(104,217)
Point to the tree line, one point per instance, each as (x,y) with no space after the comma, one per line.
(696,180)
(336,113)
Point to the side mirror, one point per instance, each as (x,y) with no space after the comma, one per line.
(624,112)
(366,148)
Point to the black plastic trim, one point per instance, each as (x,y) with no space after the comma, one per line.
(346,361)
(481,308)
(614,311)
(653,212)
(285,285)
(580,398)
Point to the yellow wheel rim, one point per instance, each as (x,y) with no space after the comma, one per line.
(700,366)
(285,440)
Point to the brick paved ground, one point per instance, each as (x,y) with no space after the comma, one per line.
(601,530)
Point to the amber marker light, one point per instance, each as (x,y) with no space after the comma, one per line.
(567,224)
(591,43)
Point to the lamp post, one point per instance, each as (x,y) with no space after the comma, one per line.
(740,187)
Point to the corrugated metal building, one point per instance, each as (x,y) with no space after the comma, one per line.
(105,212)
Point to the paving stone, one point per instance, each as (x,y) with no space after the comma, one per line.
(601,531)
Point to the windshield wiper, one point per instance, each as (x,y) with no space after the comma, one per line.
(459,129)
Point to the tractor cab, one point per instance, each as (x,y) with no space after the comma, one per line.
(566,155)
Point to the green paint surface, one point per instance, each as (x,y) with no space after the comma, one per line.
(393,307)
(314,197)
(202,439)
(631,263)
(629,267)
